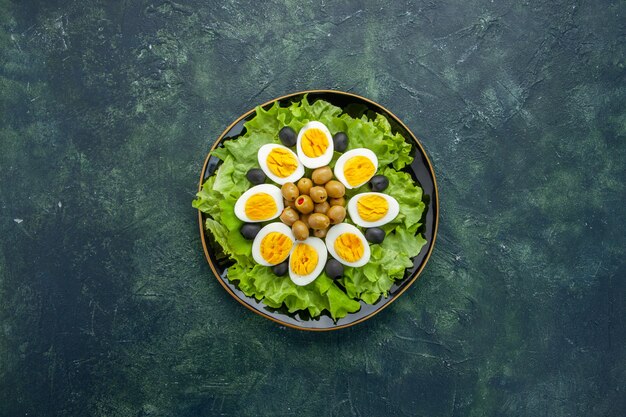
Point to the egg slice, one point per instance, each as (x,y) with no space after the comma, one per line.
(260,203)
(372,209)
(355,167)
(280,163)
(307,260)
(315,145)
(272,244)
(347,244)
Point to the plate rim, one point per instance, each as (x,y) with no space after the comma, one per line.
(411,280)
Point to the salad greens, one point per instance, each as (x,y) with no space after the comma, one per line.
(388,260)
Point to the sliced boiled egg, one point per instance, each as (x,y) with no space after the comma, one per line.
(315,145)
(355,167)
(372,209)
(272,244)
(260,203)
(307,260)
(280,163)
(347,244)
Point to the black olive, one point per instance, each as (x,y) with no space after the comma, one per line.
(333,268)
(281,269)
(340,141)
(288,136)
(250,230)
(256,176)
(375,235)
(379,183)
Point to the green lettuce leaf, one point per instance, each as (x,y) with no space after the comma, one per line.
(389,259)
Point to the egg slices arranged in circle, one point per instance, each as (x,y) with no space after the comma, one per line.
(372,209)
(307,260)
(273,244)
(260,203)
(280,163)
(315,145)
(356,167)
(347,244)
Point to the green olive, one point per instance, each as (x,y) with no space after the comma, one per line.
(290,191)
(289,216)
(300,230)
(305,218)
(304,185)
(321,233)
(335,189)
(318,194)
(319,221)
(304,204)
(322,175)
(336,214)
(337,201)
(322,207)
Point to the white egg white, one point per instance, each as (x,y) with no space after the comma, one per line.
(262,155)
(338,230)
(321,160)
(272,190)
(341,162)
(322,255)
(270,228)
(393,208)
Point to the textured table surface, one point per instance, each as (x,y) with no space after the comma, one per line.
(108,307)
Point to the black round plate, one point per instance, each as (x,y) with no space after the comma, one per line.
(421,170)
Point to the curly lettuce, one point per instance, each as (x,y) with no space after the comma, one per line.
(388,260)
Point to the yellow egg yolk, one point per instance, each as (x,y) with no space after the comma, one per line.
(275,247)
(372,207)
(260,206)
(314,143)
(281,162)
(349,247)
(303,259)
(358,170)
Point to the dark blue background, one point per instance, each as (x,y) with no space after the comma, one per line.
(108,307)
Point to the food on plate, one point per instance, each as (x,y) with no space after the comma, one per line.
(289,191)
(314,239)
(304,185)
(340,140)
(319,221)
(315,145)
(250,230)
(379,183)
(300,230)
(280,164)
(321,207)
(318,194)
(307,260)
(322,175)
(372,209)
(334,268)
(336,214)
(289,216)
(335,189)
(375,235)
(304,204)
(347,244)
(256,176)
(287,136)
(281,269)
(355,167)
(260,203)
(321,233)
(272,244)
